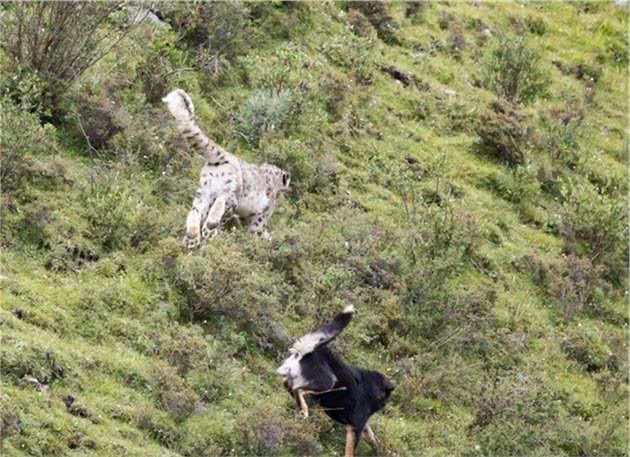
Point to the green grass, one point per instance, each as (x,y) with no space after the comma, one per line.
(170,352)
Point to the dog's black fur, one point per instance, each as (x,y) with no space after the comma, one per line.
(356,393)
(366,392)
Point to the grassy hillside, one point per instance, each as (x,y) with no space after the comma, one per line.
(458,173)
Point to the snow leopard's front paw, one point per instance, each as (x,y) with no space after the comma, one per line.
(191,243)
(209,232)
(192,239)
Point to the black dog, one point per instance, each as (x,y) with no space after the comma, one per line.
(347,394)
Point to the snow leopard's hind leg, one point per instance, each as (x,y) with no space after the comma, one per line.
(257,224)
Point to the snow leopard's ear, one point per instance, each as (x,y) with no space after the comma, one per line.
(286,179)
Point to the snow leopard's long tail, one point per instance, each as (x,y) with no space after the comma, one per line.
(181,107)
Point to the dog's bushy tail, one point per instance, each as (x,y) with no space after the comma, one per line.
(181,107)
(325,334)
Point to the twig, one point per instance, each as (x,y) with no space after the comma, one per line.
(87,138)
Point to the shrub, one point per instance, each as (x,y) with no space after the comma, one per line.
(158,424)
(446,113)
(514,70)
(354,54)
(288,68)
(513,414)
(504,133)
(161,64)
(378,14)
(416,10)
(226,284)
(594,225)
(438,236)
(95,120)
(585,344)
(561,134)
(108,205)
(143,141)
(217,31)
(22,140)
(20,359)
(575,286)
(310,169)
(24,88)
(59,41)
(456,39)
(174,395)
(264,111)
(359,24)
(519,186)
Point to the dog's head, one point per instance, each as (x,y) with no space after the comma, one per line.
(380,389)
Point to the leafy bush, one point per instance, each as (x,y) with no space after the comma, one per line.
(353,53)
(513,414)
(161,64)
(311,170)
(264,111)
(504,133)
(594,225)
(438,236)
(586,344)
(227,285)
(456,39)
(562,134)
(96,120)
(22,141)
(515,70)
(143,141)
(217,31)
(288,68)
(359,24)
(446,113)
(109,207)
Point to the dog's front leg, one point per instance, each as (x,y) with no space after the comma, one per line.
(350,441)
(302,401)
(369,435)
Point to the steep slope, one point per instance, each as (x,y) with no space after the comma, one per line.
(482,240)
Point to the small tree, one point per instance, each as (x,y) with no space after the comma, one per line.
(514,70)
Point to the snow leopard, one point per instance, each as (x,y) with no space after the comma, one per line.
(227,185)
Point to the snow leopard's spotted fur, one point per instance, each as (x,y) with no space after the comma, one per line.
(227,184)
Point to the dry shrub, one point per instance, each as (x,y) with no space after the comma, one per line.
(216,31)
(359,23)
(377,12)
(573,283)
(59,41)
(504,133)
(174,395)
(96,120)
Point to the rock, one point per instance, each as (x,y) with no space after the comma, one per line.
(397,74)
